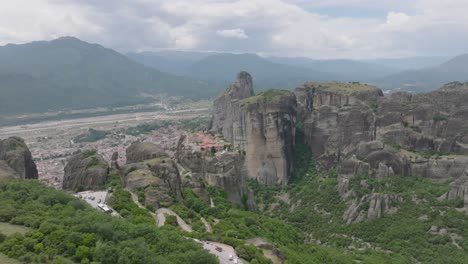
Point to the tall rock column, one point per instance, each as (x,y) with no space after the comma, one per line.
(269,128)
(261,126)
(226,112)
(16,155)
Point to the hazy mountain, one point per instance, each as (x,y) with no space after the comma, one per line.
(266,70)
(455,69)
(176,62)
(68,72)
(409,63)
(351,70)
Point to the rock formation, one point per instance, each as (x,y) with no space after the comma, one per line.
(353,126)
(85,171)
(262,126)
(16,160)
(151,170)
(140,151)
(335,117)
(226,112)
(224,171)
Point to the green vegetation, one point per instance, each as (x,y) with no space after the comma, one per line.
(9,229)
(439,118)
(340,87)
(88,153)
(66,230)
(145,128)
(93,76)
(122,202)
(196,124)
(399,238)
(92,135)
(6,260)
(267,95)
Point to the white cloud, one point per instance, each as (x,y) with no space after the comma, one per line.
(232,33)
(397,21)
(278,27)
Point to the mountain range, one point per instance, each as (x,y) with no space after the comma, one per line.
(69,73)
(428,78)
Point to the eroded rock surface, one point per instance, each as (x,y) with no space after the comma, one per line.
(154,173)
(85,171)
(16,156)
(262,126)
(140,151)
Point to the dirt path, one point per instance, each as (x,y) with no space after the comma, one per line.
(161,219)
(135,200)
(207,225)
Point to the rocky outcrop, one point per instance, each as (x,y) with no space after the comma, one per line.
(335,117)
(224,171)
(458,190)
(269,129)
(140,151)
(354,127)
(262,126)
(6,172)
(226,112)
(85,171)
(372,206)
(16,156)
(154,173)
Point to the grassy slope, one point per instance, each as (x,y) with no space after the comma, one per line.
(9,229)
(6,260)
(399,238)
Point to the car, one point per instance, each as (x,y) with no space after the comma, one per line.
(231,257)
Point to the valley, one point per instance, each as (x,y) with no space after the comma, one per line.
(51,142)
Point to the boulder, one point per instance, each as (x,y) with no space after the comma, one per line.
(85,171)
(158,178)
(140,151)
(15,153)
(6,172)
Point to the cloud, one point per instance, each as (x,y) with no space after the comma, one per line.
(397,21)
(275,27)
(232,33)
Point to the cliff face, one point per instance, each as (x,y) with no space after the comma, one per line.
(16,158)
(140,151)
(225,171)
(85,171)
(149,169)
(269,129)
(226,112)
(262,126)
(335,117)
(353,126)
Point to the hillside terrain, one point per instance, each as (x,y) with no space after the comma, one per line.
(428,78)
(70,73)
(332,172)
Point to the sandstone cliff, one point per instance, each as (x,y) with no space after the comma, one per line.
(16,160)
(262,126)
(353,126)
(225,171)
(150,170)
(85,171)
(140,151)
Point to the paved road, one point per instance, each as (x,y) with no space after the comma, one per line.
(223,256)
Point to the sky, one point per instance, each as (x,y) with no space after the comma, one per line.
(322,29)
